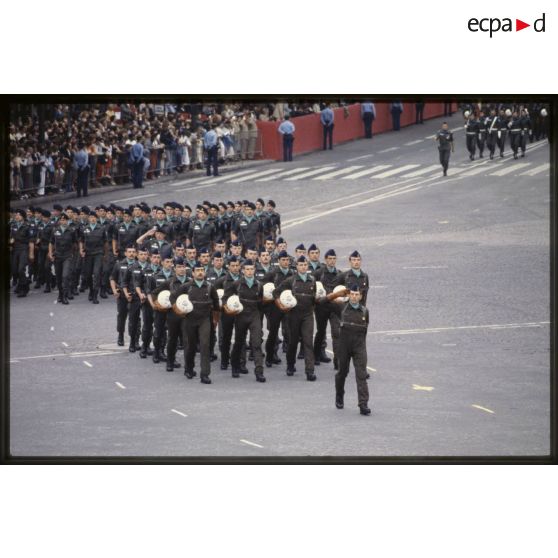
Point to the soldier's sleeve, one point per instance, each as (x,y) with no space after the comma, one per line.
(114,273)
(162,287)
(283,286)
(147,284)
(214,298)
(127,279)
(183,289)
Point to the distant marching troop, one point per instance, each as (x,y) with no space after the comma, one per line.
(182,282)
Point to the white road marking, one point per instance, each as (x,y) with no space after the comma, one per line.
(483,409)
(65,344)
(475,171)
(426,267)
(55,302)
(14,361)
(361,157)
(416,141)
(223,177)
(371,369)
(443,222)
(421,171)
(388,149)
(87,364)
(251,176)
(120,385)
(310,173)
(510,169)
(456,328)
(51,328)
(372,170)
(251,443)
(282,174)
(178,413)
(422,388)
(51,314)
(339,172)
(397,170)
(135,198)
(536,170)
(449,344)
(73,355)
(458,129)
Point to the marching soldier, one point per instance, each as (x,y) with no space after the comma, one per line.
(202,231)
(250,292)
(445,142)
(354,320)
(515,127)
(301,317)
(248,228)
(132,279)
(124,234)
(471,134)
(106,223)
(152,284)
(117,279)
(276,276)
(93,246)
(525,130)
(196,326)
(61,250)
(44,233)
(482,132)
(502,124)
(22,245)
(355,276)
(492,133)
(146,309)
(327,311)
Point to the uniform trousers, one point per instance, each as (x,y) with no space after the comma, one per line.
(63,270)
(174,326)
(92,270)
(444,158)
(325,313)
(147,323)
(196,331)
(245,322)
(20,261)
(301,325)
(352,345)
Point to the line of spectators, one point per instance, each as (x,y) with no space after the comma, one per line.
(44,139)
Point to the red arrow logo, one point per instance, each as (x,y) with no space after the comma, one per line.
(519,25)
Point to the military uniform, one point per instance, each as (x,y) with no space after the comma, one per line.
(248,231)
(141,282)
(525,132)
(350,277)
(352,345)
(327,311)
(502,124)
(45,275)
(119,276)
(492,134)
(156,283)
(515,130)
(445,144)
(21,237)
(201,234)
(94,239)
(471,131)
(248,320)
(64,242)
(226,324)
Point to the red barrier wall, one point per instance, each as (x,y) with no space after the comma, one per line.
(308,133)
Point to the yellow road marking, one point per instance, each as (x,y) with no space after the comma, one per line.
(483,409)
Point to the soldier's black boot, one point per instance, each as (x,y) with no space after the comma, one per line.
(275,358)
(47,288)
(132,347)
(260,377)
(364,410)
(235,373)
(163,355)
(335,363)
(148,349)
(310,376)
(324,357)
(60,296)
(339,392)
(120,340)
(65,298)
(94,299)
(143,352)
(75,291)
(156,356)
(103,292)
(300,355)
(170,367)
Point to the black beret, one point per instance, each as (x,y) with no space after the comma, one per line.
(213,206)
(236,243)
(84,209)
(230,204)
(330,252)
(261,201)
(262,251)
(188,208)
(143,248)
(251,205)
(146,209)
(269,237)
(223,205)
(45,213)
(64,216)
(251,247)
(219,240)
(203,251)
(179,245)
(198,264)
(178,206)
(233,259)
(271,202)
(202,208)
(355,254)
(102,206)
(131,244)
(354,288)
(127,212)
(154,252)
(312,247)
(21,212)
(160,229)
(280,240)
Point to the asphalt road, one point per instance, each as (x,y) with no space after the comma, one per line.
(458,344)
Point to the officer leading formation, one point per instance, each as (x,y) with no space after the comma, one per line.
(185,281)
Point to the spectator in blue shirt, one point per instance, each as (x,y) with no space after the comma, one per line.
(396,110)
(287,129)
(326,118)
(368,115)
(137,163)
(211,146)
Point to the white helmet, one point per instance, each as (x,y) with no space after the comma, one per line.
(341,298)
(466,113)
(287,299)
(164,299)
(320,290)
(220,293)
(234,304)
(184,304)
(508,112)
(543,112)
(268,289)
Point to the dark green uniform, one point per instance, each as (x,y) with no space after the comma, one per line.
(352,345)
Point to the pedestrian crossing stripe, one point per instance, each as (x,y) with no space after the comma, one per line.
(536,170)
(478,170)
(282,174)
(337,172)
(251,176)
(364,172)
(421,171)
(509,170)
(310,173)
(397,170)
(226,177)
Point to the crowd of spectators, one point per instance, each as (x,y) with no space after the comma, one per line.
(45,138)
